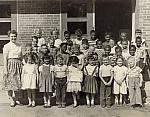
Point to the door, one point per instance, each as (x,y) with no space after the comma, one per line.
(113,16)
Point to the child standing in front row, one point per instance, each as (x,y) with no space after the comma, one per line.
(120,87)
(74,78)
(90,83)
(106,76)
(134,82)
(60,74)
(46,80)
(30,79)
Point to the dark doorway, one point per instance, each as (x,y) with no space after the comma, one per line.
(114,16)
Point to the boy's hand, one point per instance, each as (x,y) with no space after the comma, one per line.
(140,84)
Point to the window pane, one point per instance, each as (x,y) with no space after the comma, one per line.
(4,27)
(5,11)
(76,9)
(2,43)
(72,26)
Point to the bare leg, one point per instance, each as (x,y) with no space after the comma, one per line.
(74,95)
(33,97)
(121,99)
(45,99)
(88,99)
(29,97)
(92,99)
(10,94)
(49,100)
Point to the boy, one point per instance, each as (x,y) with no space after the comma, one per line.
(92,40)
(65,55)
(60,74)
(106,76)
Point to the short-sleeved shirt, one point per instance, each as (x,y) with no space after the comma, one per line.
(12,50)
(57,43)
(100,53)
(60,71)
(41,41)
(105,70)
(51,67)
(75,74)
(119,72)
(134,72)
(90,70)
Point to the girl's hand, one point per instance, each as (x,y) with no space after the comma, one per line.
(5,71)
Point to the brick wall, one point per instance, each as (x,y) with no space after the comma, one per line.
(40,14)
(143,18)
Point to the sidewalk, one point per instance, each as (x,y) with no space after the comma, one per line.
(3,95)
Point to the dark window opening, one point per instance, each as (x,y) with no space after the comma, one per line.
(72,26)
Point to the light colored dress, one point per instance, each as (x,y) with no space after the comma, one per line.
(119,74)
(74,79)
(29,76)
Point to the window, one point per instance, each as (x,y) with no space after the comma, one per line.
(77,17)
(77,14)
(73,26)
(76,9)
(5,24)
(5,19)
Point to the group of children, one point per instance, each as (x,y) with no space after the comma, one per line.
(75,65)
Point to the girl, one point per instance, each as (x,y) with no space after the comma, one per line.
(90,82)
(134,82)
(106,76)
(30,79)
(78,39)
(28,51)
(74,79)
(60,73)
(76,52)
(120,87)
(46,80)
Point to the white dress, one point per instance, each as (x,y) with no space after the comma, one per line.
(119,74)
(29,76)
(74,79)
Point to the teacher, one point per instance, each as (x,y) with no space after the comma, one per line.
(12,53)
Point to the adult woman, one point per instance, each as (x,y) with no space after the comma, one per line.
(12,54)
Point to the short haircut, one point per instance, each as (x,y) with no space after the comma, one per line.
(107,46)
(35,37)
(118,48)
(59,56)
(63,44)
(74,59)
(46,57)
(69,42)
(92,31)
(138,31)
(85,41)
(66,32)
(44,45)
(78,31)
(98,41)
(132,46)
(12,32)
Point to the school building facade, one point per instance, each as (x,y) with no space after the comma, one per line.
(101,15)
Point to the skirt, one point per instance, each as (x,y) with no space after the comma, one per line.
(12,81)
(29,81)
(73,86)
(90,85)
